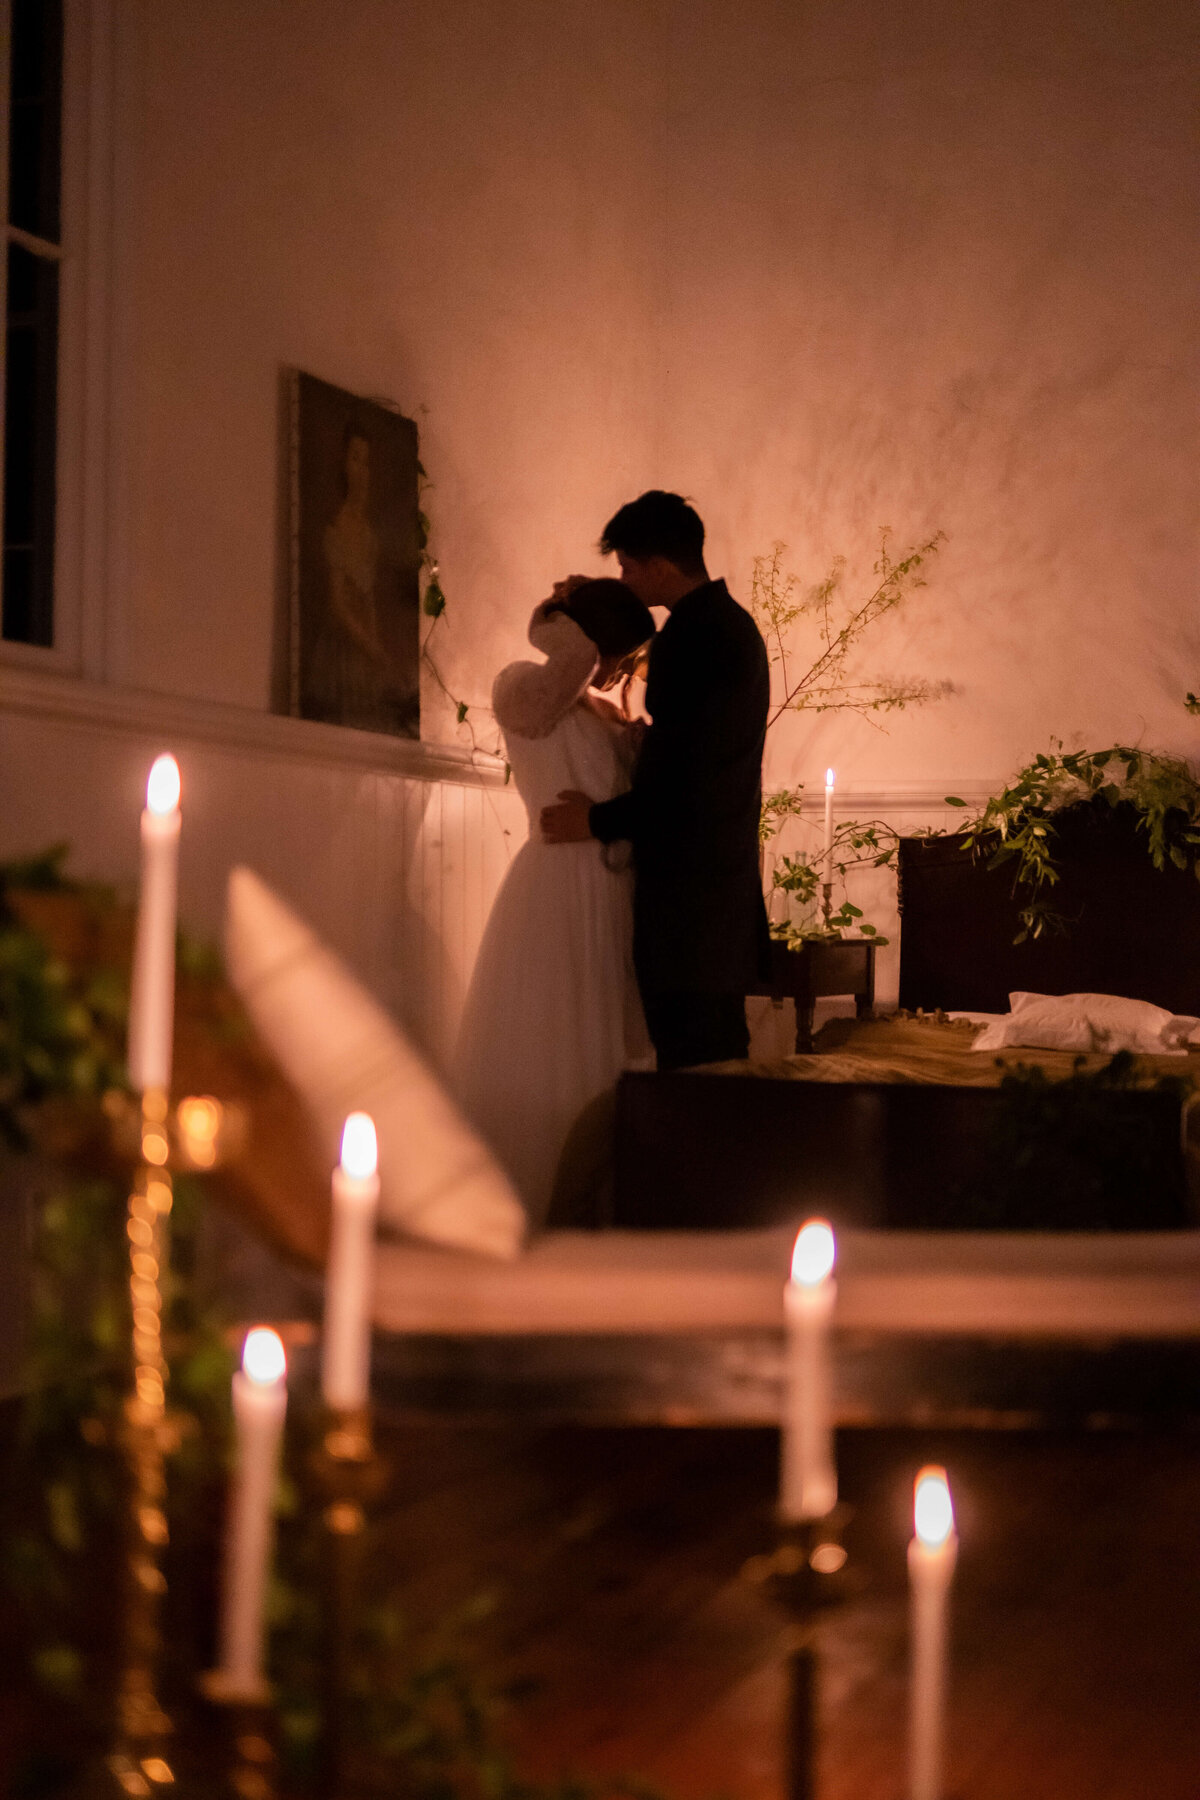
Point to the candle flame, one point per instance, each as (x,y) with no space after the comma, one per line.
(162,789)
(933,1510)
(360,1153)
(829,779)
(813,1256)
(263,1356)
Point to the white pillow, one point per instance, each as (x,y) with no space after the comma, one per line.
(1087,1022)
(343,1053)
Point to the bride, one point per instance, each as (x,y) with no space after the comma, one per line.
(552,1013)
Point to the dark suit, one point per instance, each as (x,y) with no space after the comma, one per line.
(700,928)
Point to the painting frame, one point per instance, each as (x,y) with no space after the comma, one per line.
(355,554)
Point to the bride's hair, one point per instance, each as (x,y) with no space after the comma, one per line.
(610,614)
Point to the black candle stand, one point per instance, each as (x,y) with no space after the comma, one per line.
(805,1575)
(242,1722)
(349,1476)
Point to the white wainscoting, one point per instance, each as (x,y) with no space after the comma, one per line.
(392,851)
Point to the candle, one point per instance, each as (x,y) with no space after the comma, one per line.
(808,1485)
(346,1349)
(259,1404)
(152,992)
(931,1558)
(829,827)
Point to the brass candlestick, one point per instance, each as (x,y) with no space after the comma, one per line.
(827,902)
(139,1763)
(349,1476)
(194,1136)
(805,1575)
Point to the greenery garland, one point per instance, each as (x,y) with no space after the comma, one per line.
(1017,825)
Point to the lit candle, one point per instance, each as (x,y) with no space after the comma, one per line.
(346,1348)
(828,827)
(931,1558)
(808,1484)
(152,992)
(259,1404)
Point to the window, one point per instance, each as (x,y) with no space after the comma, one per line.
(31,284)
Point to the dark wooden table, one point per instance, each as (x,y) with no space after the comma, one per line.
(819,968)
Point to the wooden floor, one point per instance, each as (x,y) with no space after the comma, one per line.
(624,1625)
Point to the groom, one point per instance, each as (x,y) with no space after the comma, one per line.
(700,939)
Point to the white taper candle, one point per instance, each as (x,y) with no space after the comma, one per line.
(808,1476)
(346,1343)
(828,875)
(259,1405)
(152,990)
(931,1558)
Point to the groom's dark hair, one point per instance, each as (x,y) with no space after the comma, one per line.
(658,524)
(610,614)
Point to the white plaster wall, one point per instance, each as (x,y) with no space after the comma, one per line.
(823,266)
(936,265)
(451,206)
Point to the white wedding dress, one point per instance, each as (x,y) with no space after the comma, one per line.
(552,1013)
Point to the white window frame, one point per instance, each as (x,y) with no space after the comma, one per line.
(86,638)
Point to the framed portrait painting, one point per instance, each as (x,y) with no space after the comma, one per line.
(354,649)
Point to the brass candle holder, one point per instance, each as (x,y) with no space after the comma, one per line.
(805,1575)
(349,1476)
(192,1136)
(139,1762)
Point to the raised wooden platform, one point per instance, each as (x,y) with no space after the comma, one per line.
(687,1328)
(1022,1284)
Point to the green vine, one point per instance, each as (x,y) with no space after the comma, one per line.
(433,606)
(1018,825)
(854,846)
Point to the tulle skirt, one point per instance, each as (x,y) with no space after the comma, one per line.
(552,1014)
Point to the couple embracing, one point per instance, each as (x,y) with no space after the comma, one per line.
(631,925)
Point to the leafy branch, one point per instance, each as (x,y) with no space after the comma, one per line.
(824,684)
(1017,825)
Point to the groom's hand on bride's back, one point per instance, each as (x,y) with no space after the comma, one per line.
(567,821)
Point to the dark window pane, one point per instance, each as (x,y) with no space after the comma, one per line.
(30,404)
(31,23)
(20,434)
(19,622)
(22,283)
(35,117)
